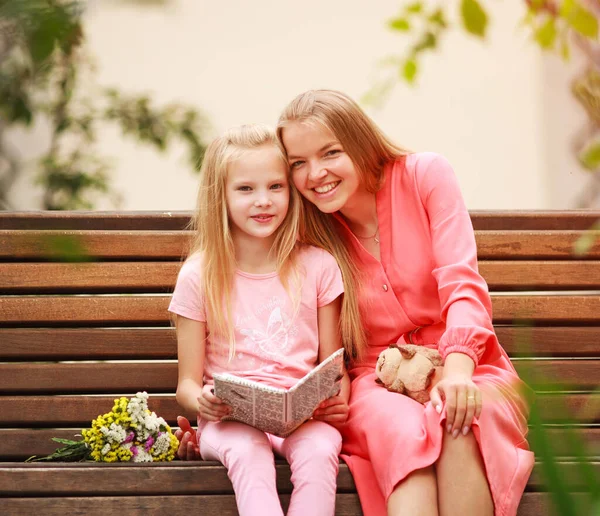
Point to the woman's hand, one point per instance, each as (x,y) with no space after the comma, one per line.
(210,407)
(333,411)
(188,448)
(463,401)
(457,389)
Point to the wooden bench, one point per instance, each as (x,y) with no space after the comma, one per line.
(74,335)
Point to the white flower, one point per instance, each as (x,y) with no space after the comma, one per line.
(161,445)
(115,433)
(142,456)
(105,449)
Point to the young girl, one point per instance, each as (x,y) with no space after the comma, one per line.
(252,301)
(403,219)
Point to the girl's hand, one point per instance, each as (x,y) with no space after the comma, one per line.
(188,448)
(210,407)
(333,411)
(463,401)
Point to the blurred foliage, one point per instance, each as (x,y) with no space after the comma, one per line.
(46,73)
(556,26)
(579,494)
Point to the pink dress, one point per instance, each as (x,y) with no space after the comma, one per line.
(428,283)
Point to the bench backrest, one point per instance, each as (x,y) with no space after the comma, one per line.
(76,334)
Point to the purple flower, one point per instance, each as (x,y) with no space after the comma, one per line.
(134,450)
(149,443)
(129,438)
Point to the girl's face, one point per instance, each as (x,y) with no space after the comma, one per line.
(321,169)
(257,192)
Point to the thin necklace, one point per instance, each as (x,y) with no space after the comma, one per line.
(374,235)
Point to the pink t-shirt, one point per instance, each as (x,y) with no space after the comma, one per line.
(273,345)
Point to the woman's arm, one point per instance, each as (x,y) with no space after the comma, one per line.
(334,410)
(464,299)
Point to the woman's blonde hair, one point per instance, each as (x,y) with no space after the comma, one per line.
(369,149)
(213,239)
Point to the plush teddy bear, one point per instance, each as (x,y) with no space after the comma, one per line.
(408,369)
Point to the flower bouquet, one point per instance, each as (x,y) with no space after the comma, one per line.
(128,433)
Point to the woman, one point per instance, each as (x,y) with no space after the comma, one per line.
(402,218)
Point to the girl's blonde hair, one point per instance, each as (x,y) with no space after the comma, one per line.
(369,149)
(213,239)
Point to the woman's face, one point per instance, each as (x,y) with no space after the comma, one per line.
(321,169)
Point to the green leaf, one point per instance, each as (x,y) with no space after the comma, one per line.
(588,240)
(409,70)
(474,18)
(400,24)
(438,18)
(566,7)
(590,157)
(583,21)
(546,34)
(415,7)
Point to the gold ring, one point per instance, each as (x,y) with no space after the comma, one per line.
(470,397)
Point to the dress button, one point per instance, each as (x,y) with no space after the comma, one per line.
(385,288)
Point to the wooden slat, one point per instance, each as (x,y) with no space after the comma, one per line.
(107,277)
(546,308)
(161,377)
(153,245)
(89,220)
(19,444)
(206,505)
(558,342)
(87,343)
(541,275)
(110,310)
(177,478)
(148,343)
(517,220)
(173,478)
(78,310)
(78,411)
(156,220)
(128,277)
(532,504)
(92,378)
(114,245)
(532,245)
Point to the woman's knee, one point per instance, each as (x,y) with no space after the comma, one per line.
(461,450)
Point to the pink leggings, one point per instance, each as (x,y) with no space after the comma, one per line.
(248,454)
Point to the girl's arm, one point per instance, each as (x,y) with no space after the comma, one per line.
(335,409)
(191,337)
(194,397)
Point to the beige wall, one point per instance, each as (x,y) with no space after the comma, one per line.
(491,108)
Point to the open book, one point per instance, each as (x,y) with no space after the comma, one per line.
(280,411)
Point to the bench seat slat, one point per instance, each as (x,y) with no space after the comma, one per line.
(17,245)
(152,309)
(135,277)
(82,479)
(19,444)
(161,377)
(78,411)
(156,343)
(532,504)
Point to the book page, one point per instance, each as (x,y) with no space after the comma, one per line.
(258,405)
(320,384)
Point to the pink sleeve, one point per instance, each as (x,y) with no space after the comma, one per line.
(188,298)
(465,302)
(329,282)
